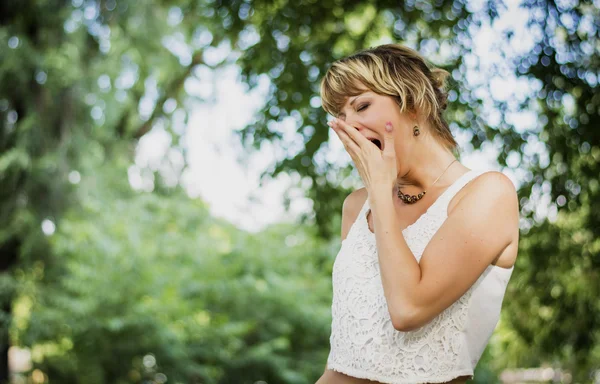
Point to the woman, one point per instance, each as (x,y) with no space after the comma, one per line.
(428,245)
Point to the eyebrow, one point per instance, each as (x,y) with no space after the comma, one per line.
(356,98)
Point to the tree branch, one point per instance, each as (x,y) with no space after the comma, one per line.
(172,89)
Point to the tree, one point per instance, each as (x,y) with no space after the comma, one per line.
(85,81)
(558,266)
(153,288)
(75,72)
(553,303)
(295,42)
(108,72)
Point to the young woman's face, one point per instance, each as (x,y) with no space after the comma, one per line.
(368,113)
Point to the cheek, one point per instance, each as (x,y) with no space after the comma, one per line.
(402,149)
(375,121)
(377,114)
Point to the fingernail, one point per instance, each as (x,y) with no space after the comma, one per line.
(388,126)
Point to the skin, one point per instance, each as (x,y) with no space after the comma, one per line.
(474,236)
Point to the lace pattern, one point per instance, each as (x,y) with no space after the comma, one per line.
(364,343)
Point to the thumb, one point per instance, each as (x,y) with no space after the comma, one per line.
(388,148)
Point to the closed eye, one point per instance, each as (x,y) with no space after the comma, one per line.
(362,107)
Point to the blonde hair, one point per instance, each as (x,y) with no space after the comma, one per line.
(392,70)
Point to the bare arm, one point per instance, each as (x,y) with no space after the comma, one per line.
(483,224)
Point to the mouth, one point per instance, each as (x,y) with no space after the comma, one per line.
(377,143)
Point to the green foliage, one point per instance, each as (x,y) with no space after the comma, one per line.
(552,305)
(80,72)
(296,41)
(135,285)
(149,275)
(80,82)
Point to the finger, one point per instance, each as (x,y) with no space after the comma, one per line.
(352,132)
(351,147)
(388,148)
(349,144)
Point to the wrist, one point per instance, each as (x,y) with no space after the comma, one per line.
(380,196)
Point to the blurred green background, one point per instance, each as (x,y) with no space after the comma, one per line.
(112,271)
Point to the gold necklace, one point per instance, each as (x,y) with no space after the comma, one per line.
(408,199)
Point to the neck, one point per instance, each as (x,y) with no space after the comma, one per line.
(430,160)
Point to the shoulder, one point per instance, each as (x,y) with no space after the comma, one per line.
(355,200)
(351,207)
(491,197)
(491,187)
(486,186)
(494,184)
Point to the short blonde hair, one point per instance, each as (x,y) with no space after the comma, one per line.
(392,70)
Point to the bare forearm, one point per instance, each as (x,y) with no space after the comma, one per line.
(400,271)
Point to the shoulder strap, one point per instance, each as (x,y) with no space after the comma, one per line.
(452,190)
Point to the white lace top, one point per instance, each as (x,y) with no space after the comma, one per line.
(364,343)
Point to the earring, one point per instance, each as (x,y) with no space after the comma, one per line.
(416,131)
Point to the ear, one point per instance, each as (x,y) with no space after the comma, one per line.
(415,115)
